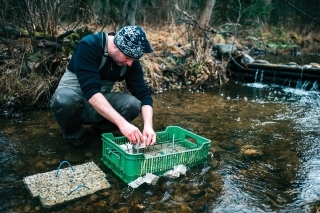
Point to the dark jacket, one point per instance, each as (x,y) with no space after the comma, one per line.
(86,60)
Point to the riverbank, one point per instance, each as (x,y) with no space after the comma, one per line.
(183,58)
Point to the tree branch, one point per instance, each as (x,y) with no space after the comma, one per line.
(303,13)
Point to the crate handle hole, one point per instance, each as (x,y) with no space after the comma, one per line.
(192,140)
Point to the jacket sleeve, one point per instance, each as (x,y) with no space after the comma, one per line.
(136,84)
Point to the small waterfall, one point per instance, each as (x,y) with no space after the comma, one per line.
(256,76)
(299,84)
(261,76)
(315,87)
(305,85)
(274,77)
(302,85)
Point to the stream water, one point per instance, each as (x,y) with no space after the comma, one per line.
(281,125)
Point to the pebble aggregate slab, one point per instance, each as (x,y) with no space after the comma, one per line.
(62,185)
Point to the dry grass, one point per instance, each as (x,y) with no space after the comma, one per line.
(179,59)
(185,51)
(24,88)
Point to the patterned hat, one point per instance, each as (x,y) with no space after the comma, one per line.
(132,41)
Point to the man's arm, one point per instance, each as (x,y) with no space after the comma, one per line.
(103,107)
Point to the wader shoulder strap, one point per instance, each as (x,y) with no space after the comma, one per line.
(105,55)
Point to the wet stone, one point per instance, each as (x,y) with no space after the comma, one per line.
(38,208)
(88,154)
(105,194)
(185,208)
(100,206)
(40,166)
(252,153)
(196,192)
(62,185)
(27,208)
(155,211)
(139,207)
(51,162)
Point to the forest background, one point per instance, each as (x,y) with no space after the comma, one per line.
(37,38)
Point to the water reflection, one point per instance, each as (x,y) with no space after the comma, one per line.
(287,176)
(265,150)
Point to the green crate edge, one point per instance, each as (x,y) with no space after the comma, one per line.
(130,166)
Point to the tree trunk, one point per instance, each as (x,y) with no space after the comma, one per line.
(132,12)
(268,3)
(129,12)
(225,7)
(206,13)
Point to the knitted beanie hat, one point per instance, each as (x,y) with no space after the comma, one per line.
(132,41)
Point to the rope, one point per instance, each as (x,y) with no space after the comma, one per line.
(78,187)
(60,166)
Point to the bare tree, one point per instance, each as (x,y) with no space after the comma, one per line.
(129,12)
(268,4)
(206,13)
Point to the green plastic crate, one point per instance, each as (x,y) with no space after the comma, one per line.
(131,166)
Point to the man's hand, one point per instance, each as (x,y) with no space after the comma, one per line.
(103,107)
(149,135)
(132,133)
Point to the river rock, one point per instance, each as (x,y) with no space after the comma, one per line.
(40,166)
(28,207)
(250,151)
(196,192)
(292,64)
(38,208)
(259,61)
(99,206)
(139,207)
(93,197)
(51,162)
(315,65)
(225,49)
(210,193)
(247,59)
(88,154)
(183,207)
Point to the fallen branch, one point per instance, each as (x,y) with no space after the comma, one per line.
(63,35)
(303,13)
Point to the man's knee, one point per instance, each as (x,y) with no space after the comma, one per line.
(133,107)
(134,104)
(127,105)
(65,98)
